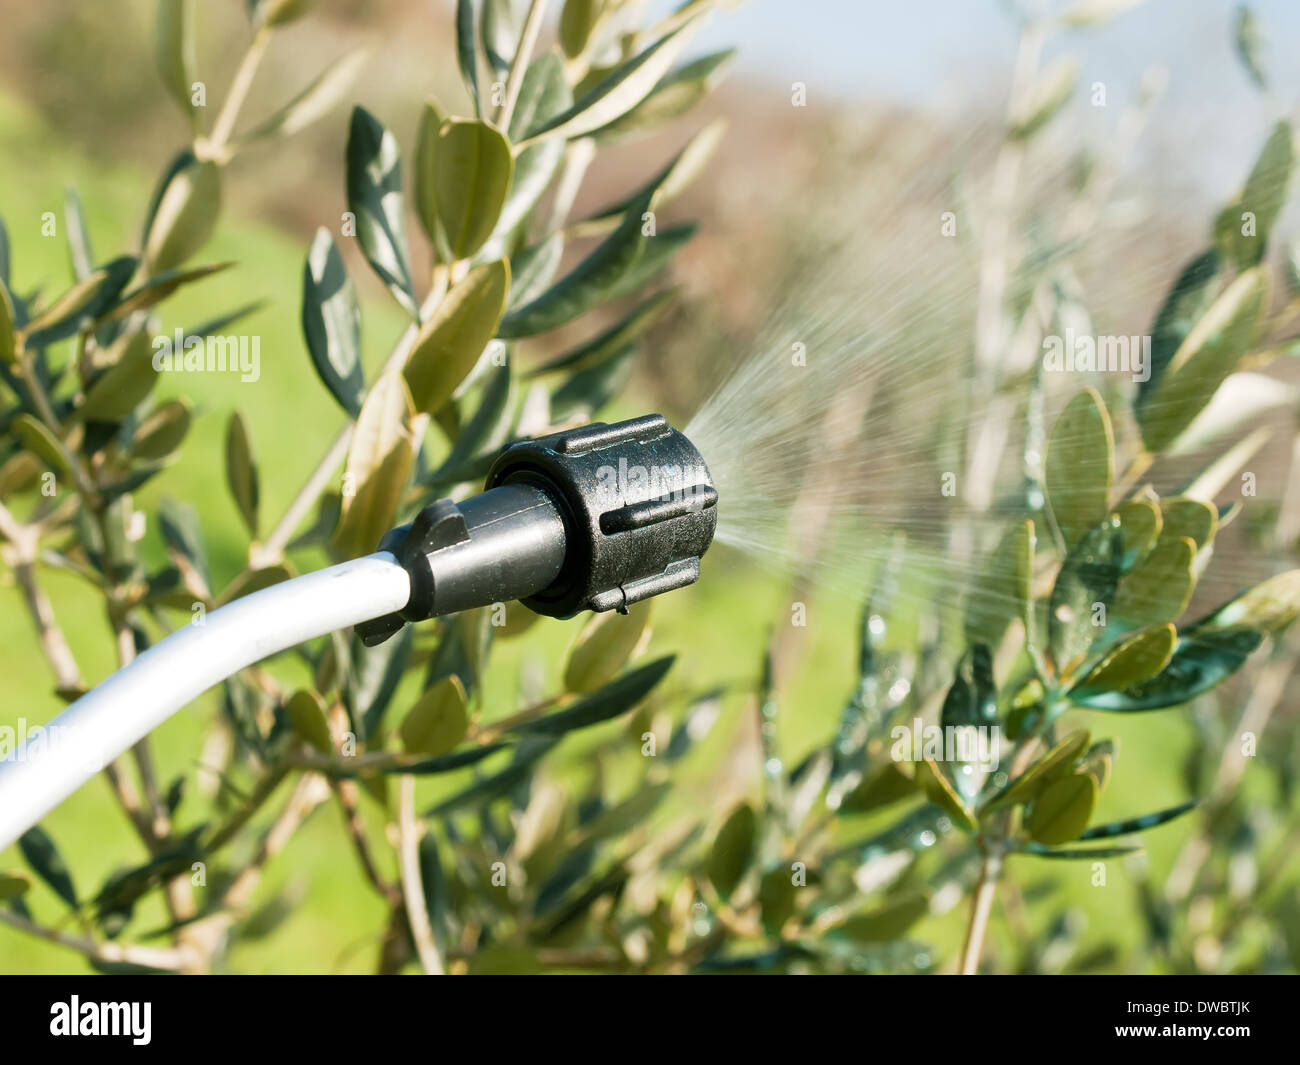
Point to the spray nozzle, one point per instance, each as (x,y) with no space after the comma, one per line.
(593,518)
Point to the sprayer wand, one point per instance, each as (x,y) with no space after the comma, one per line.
(593,518)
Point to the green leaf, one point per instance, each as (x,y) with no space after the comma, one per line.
(379,463)
(1076,854)
(36,437)
(940,791)
(306,714)
(426,172)
(1097,763)
(174,50)
(1269,607)
(543,94)
(1208,354)
(615,698)
(972,696)
(123,386)
(1242,229)
(1001,593)
(678,92)
(40,852)
(533,268)
(1191,519)
(1078,465)
(590,283)
(13,885)
(179,525)
(77,308)
(620,91)
(187,204)
(885,923)
(733,849)
(499,30)
(455,335)
(685,167)
(1195,289)
(1136,659)
(467,50)
(471,175)
(438,721)
(1201,661)
(1140,523)
(331,323)
(8,349)
(158,288)
(162,431)
(577,19)
(1247,39)
(1057,762)
(1084,591)
(1045,98)
(78,233)
(615,339)
(1159,587)
(776,898)
(241,471)
(374,165)
(1062,809)
(588,391)
(887,784)
(1139,824)
(604,646)
(325,92)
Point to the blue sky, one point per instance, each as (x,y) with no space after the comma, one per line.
(924,51)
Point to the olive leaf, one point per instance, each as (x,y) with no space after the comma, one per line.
(453,338)
(619,91)
(374,185)
(1078,465)
(438,721)
(331,323)
(315,101)
(379,462)
(941,791)
(467,49)
(466,171)
(1242,229)
(1139,824)
(1201,661)
(306,713)
(1159,587)
(604,645)
(1083,593)
(1138,658)
(887,922)
(1055,763)
(733,849)
(241,471)
(617,697)
(1061,811)
(1269,607)
(592,281)
(1207,355)
(183,214)
(677,92)
(174,50)
(41,853)
(1001,592)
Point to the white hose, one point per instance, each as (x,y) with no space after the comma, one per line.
(108,720)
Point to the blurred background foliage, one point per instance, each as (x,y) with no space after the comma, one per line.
(614,859)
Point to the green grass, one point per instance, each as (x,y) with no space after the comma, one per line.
(717,629)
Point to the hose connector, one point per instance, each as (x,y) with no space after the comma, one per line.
(594,518)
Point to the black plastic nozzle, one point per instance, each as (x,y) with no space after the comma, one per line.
(595,518)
